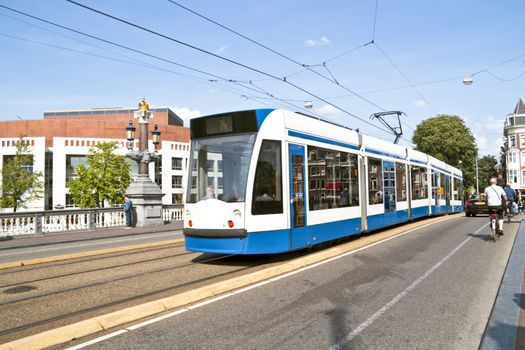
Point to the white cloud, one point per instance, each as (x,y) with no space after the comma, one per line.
(420,103)
(186,114)
(328,111)
(488,133)
(321,42)
(222,49)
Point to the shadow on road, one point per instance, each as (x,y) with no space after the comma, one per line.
(501,335)
(483,237)
(519,299)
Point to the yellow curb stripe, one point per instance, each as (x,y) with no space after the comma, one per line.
(134,313)
(49,259)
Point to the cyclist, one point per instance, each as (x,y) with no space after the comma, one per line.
(496,198)
(511,198)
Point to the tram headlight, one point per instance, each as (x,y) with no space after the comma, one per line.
(237,213)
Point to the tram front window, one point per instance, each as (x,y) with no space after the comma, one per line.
(220,167)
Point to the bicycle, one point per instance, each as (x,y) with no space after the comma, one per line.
(509,211)
(493,224)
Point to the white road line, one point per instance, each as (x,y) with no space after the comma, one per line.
(398,297)
(156,319)
(29,250)
(94,341)
(262,283)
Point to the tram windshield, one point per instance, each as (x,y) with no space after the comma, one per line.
(219,167)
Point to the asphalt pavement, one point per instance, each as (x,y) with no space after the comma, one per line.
(432,288)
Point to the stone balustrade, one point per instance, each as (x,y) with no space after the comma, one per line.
(41,222)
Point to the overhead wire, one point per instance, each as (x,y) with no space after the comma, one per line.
(259,71)
(306,66)
(405,77)
(505,79)
(71,38)
(333,79)
(145,65)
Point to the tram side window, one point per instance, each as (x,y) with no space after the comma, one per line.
(419,182)
(441,188)
(333,179)
(375,181)
(457,194)
(401,182)
(438,181)
(267,186)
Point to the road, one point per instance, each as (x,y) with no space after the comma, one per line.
(431,288)
(41,251)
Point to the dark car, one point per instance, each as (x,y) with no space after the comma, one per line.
(475,206)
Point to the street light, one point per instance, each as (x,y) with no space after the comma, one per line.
(468,80)
(130,134)
(155,135)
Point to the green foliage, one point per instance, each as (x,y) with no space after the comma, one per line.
(19,184)
(487,168)
(447,138)
(103,181)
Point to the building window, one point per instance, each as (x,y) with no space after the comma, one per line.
(158,171)
(211,165)
(176,163)
(512,141)
(513,176)
(72,162)
(512,157)
(522,140)
(523,177)
(176,181)
(176,198)
(267,185)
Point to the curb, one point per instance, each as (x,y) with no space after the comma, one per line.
(501,331)
(49,259)
(76,330)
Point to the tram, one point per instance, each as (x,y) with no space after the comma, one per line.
(269,181)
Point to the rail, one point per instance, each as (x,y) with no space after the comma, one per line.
(68,220)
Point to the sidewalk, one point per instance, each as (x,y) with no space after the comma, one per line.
(66,237)
(506,326)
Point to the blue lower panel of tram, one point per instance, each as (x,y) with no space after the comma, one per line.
(441,209)
(383,220)
(419,212)
(276,241)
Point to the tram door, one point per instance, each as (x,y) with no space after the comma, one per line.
(447,191)
(299,235)
(389,190)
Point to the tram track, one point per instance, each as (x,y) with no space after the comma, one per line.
(115,303)
(80,260)
(91,270)
(108,281)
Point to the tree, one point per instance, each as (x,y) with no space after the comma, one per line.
(103,181)
(20,184)
(487,168)
(447,138)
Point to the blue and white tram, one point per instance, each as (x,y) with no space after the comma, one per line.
(269,181)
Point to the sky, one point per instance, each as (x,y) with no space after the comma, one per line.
(421,52)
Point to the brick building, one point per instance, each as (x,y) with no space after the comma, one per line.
(62,139)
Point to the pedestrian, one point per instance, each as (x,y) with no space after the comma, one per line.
(128,207)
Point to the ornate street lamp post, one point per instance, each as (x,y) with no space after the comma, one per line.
(145,194)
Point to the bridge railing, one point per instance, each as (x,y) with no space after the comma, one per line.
(41,222)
